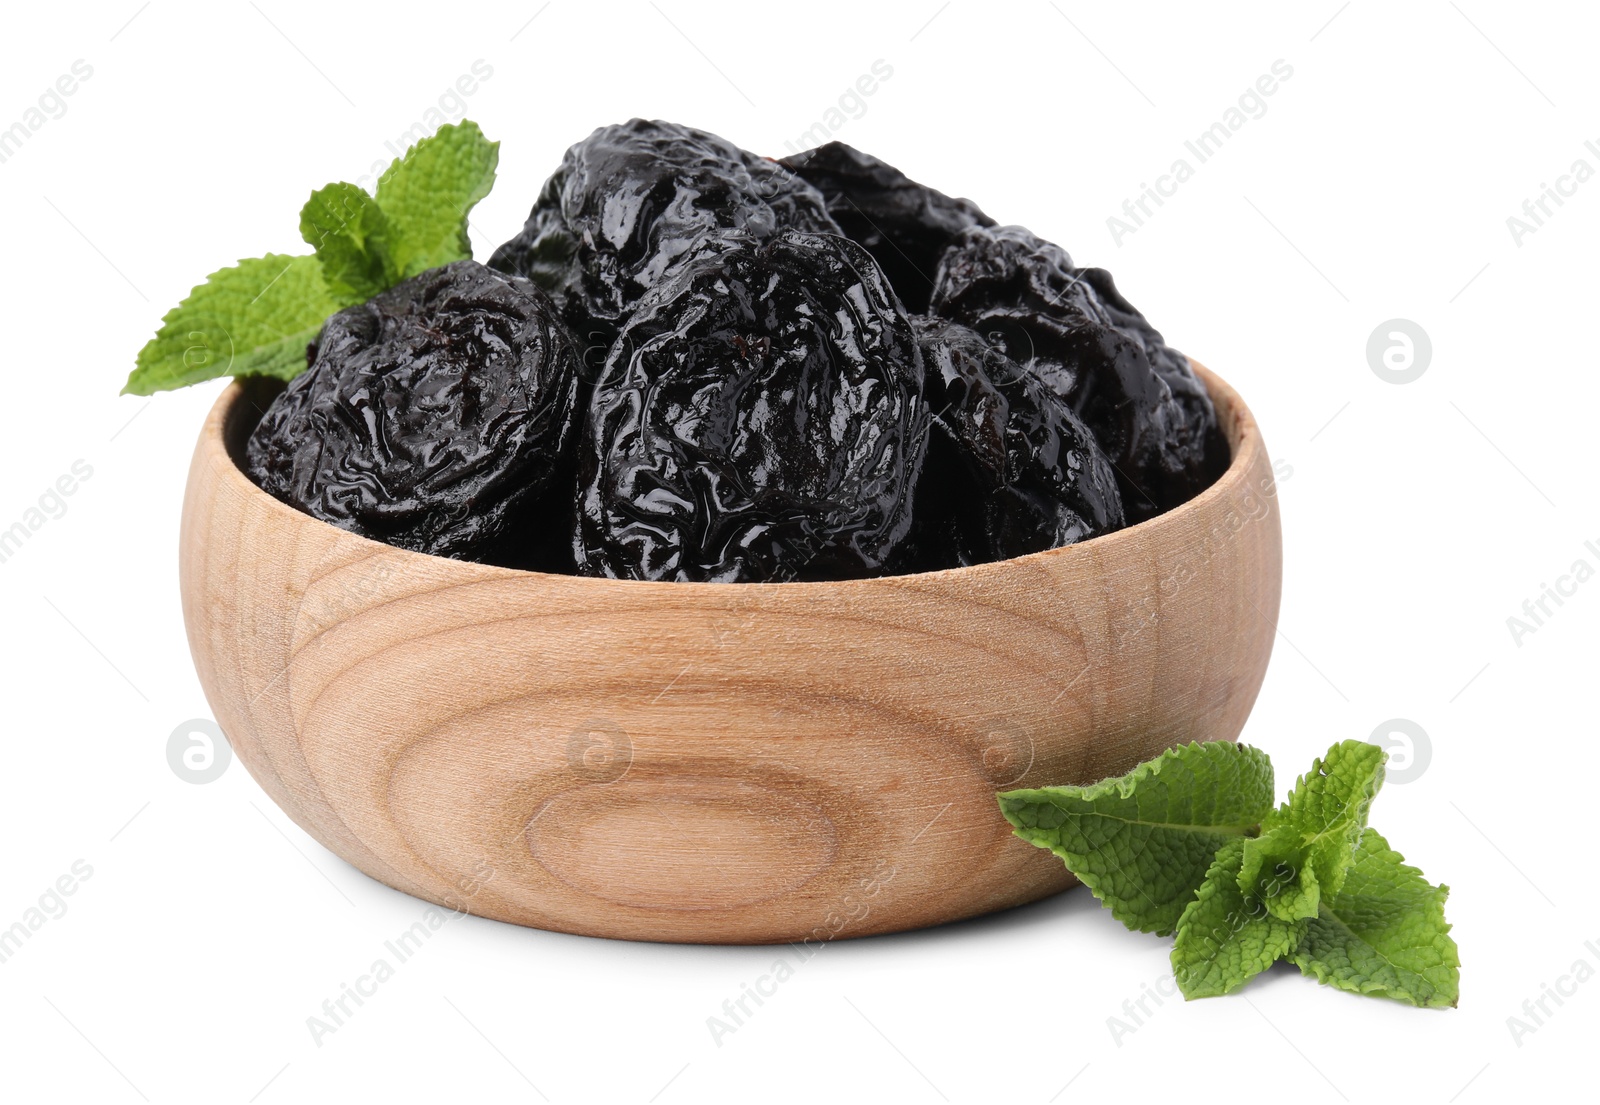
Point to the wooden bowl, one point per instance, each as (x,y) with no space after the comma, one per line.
(712,763)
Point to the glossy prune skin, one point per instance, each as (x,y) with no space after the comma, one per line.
(633,203)
(1072,329)
(906,226)
(1010,469)
(760,419)
(439,416)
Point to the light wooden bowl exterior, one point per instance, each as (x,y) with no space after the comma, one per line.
(717,763)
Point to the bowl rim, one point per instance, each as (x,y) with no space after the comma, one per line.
(1237,422)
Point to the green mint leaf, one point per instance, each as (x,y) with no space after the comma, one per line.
(1384,933)
(1308,843)
(255,318)
(1142,843)
(1226,937)
(1284,879)
(350,233)
(428,193)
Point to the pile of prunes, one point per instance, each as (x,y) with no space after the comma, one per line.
(698,364)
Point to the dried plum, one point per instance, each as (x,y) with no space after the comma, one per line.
(906,226)
(634,202)
(1074,330)
(696,364)
(436,416)
(1010,470)
(760,418)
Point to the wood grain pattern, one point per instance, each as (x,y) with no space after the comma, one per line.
(722,763)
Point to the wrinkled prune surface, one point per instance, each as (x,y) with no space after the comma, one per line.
(906,226)
(634,202)
(760,418)
(1074,330)
(438,416)
(1010,469)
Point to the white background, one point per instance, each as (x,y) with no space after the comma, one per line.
(1418,518)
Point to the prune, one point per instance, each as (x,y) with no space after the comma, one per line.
(633,202)
(545,250)
(1074,330)
(436,416)
(906,226)
(1010,470)
(759,418)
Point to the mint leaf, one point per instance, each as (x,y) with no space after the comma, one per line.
(257,317)
(1316,886)
(1284,880)
(1308,843)
(1143,842)
(350,233)
(428,193)
(1384,934)
(254,318)
(1226,937)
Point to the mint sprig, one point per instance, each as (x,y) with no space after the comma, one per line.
(1312,837)
(253,319)
(1142,842)
(1384,933)
(1226,937)
(1189,843)
(351,235)
(257,317)
(428,193)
